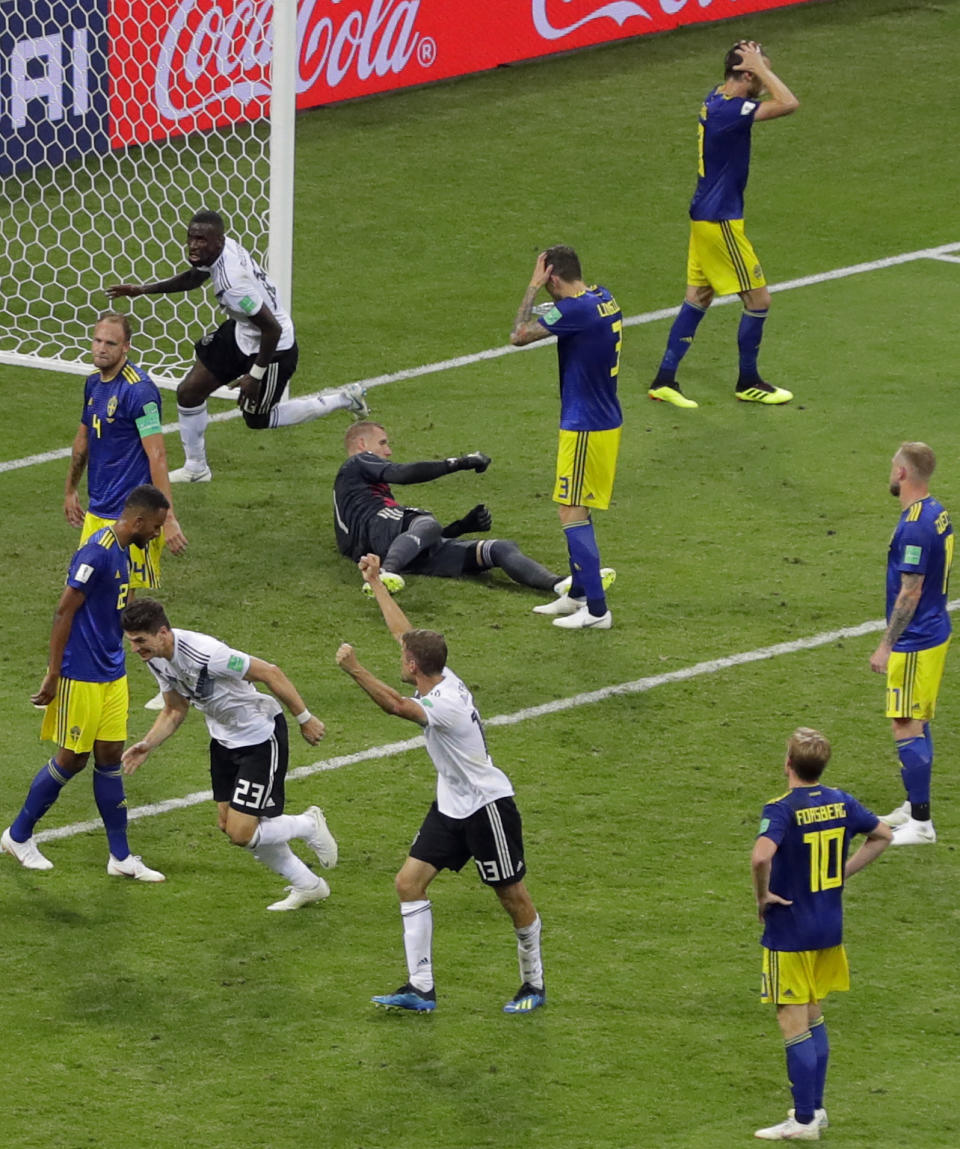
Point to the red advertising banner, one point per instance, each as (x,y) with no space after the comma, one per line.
(179,66)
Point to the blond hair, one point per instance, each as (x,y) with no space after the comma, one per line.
(919,459)
(808,753)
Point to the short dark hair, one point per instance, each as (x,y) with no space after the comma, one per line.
(116,317)
(144,614)
(147,498)
(808,752)
(734,58)
(564,261)
(208,218)
(427,648)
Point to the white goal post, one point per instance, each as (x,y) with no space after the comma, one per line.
(101,172)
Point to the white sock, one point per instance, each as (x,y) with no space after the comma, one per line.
(193,425)
(271,831)
(283,861)
(418,942)
(293,411)
(528,952)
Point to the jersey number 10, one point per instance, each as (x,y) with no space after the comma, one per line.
(826,859)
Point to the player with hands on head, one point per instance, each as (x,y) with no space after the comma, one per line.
(368,519)
(248,742)
(588,325)
(720,258)
(473,815)
(255,349)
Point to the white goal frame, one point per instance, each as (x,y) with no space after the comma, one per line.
(48,324)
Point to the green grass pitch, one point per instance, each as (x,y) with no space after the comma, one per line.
(184,1016)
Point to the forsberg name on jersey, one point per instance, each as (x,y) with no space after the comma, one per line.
(831,812)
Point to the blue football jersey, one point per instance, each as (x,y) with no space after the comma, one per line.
(117,415)
(922,544)
(589,331)
(100,570)
(724,137)
(813,827)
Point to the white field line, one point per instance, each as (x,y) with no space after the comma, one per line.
(638,686)
(941,252)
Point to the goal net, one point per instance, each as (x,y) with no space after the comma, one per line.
(119,120)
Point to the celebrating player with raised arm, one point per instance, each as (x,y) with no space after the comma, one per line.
(255,349)
(474,814)
(248,742)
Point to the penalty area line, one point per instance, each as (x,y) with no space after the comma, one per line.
(942,252)
(637,686)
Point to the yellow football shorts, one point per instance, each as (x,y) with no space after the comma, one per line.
(144,563)
(586,467)
(720,256)
(913,682)
(804,976)
(86,712)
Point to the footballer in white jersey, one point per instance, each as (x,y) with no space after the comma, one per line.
(248,742)
(474,815)
(255,350)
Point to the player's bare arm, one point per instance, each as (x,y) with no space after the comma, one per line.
(283,689)
(389,700)
(872,847)
(186,281)
(761,862)
(525,328)
(397,622)
(70,602)
(167,722)
(270,331)
(781,101)
(156,453)
(79,454)
(911,587)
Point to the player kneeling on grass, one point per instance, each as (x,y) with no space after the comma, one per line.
(474,814)
(799,865)
(248,742)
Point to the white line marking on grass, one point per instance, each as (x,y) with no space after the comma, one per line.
(941,252)
(947,258)
(637,686)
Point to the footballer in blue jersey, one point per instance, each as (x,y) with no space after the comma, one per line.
(913,650)
(120,443)
(588,326)
(720,258)
(799,865)
(85,688)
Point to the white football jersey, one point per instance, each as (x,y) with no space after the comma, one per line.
(242,287)
(467,779)
(209,674)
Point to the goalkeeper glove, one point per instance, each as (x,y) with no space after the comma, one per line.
(475,461)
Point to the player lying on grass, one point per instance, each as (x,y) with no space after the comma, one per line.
(368,519)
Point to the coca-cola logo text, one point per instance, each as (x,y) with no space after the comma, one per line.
(209,54)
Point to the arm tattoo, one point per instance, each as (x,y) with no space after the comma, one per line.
(525,313)
(78,460)
(905,607)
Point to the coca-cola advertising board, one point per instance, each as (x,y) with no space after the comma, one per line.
(179,66)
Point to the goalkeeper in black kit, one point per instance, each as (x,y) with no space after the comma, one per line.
(369,520)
